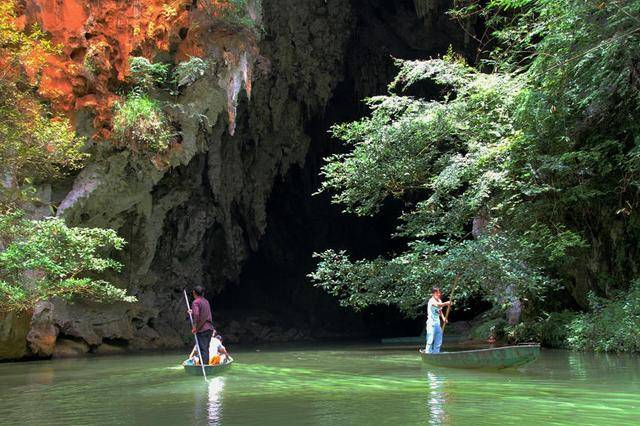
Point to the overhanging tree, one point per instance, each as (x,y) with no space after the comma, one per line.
(540,149)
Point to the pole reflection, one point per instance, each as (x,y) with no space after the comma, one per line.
(436,401)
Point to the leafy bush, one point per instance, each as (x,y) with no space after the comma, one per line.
(186,73)
(493,327)
(140,125)
(42,259)
(611,326)
(552,330)
(146,75)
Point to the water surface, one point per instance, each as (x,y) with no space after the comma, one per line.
(363,384)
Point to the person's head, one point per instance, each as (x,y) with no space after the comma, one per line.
(435,292)
(219,337)
(198,291)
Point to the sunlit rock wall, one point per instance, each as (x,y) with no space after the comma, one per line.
(197,221)
(207,211)
(97,38)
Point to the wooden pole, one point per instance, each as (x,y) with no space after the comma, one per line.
(453,289)
(186,299)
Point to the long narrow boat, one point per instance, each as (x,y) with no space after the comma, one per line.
(211,370)
(493,358)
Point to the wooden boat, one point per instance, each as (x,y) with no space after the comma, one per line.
(494,358)
(211,370)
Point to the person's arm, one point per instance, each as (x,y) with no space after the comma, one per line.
(441,304)
(224,351)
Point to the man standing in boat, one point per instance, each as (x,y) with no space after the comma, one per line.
(202,323)
(434,331)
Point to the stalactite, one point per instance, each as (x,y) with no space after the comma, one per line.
(239,75)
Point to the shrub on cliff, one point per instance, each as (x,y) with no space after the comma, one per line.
(187,72)
(140,125)
(43,259)
(146,75)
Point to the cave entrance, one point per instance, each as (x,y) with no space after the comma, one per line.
(273,298)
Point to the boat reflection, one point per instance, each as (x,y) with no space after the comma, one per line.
(437,399)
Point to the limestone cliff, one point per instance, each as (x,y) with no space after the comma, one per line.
(197,220)
(209,207)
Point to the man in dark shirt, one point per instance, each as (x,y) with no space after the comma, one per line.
(202,324)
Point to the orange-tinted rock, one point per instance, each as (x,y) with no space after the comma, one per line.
(98,37)
(43,333)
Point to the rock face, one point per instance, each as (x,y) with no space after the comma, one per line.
(198,221)
(13,335)
(43,332)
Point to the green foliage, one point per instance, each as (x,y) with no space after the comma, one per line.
(43,259)
(186,73)
(40,259)
(491,266)
(234,13)
(140,125)
(39,148)
(491,327)
(540,152)
(453,156)
(146,75)
(611,326)
(551,330)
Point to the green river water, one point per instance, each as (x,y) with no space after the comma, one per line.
(347,384)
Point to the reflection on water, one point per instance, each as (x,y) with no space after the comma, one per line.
(41,376)
(214,400)
(207,397)
(436,400)
(370,385)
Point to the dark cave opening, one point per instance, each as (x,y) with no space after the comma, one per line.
(273,287)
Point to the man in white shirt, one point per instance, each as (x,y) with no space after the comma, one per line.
(434,331)
(218,352)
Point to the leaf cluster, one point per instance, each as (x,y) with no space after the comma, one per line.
(43,259)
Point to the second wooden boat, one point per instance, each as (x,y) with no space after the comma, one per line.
(493,358)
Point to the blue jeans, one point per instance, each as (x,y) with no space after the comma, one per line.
(434,338)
